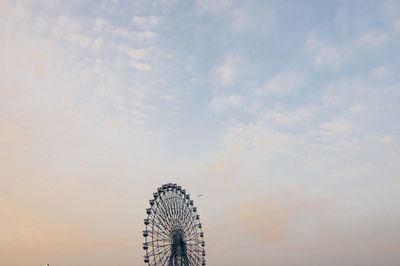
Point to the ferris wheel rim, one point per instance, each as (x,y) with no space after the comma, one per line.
(172,218)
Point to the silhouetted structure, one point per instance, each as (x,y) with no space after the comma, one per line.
(173,233)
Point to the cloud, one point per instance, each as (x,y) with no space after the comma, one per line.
(380,71)
(336,54)
(357,108)
(215,7)
(282,83)
(325,54)
(224,102)
(392,14)
(226,72)
(337,126)
(372,38)
(137,53)
(256,140)
(146,22)
(289,117)
(241,16)
(140,66)
(139,61)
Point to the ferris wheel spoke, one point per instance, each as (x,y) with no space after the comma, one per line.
(158,250)
(176,211)
(188,221)
(194,240)
(196,254)
(163,259)
(175,214)
(193,244)
(184,216)
(160,236)
(154,242)
(196,262)
(195,247)
(163,206)
(166,256)
(193,261)
(155,219)
(164,223)
(180,205)
(159,231)
(155,252)
(160,212)
(160,215)
(164,211)
(174,206)
(161,253)
(159,225)
(188,217)
(192,230)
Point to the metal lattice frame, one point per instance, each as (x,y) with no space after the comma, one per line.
(173,233)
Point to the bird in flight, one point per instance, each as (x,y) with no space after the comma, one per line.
(199,195)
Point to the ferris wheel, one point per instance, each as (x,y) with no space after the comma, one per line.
(173,233)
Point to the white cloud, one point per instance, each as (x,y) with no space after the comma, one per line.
(338,126)
(146,22)
(137,53)
(371,38)
(224,102)
(372,89)
(380,71)
(226,72)
(81,39)
(384,138)
(140,66)
(357,108)
(82,55)
(170,98)
(335,55)
(325,54)
(100,24)
(241,16)
(396,25)
(289,117)
(254,141)
(97,44)
(391,11)
(283,82)
(215,7)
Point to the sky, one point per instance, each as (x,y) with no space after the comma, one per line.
(283,114)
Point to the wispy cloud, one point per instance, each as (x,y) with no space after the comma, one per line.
(224,102)
(146,22)
(226,72)
(289,117)
(337,127)
(335,54)
(137,53)
(140,66)
(282,83)
(240,16)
